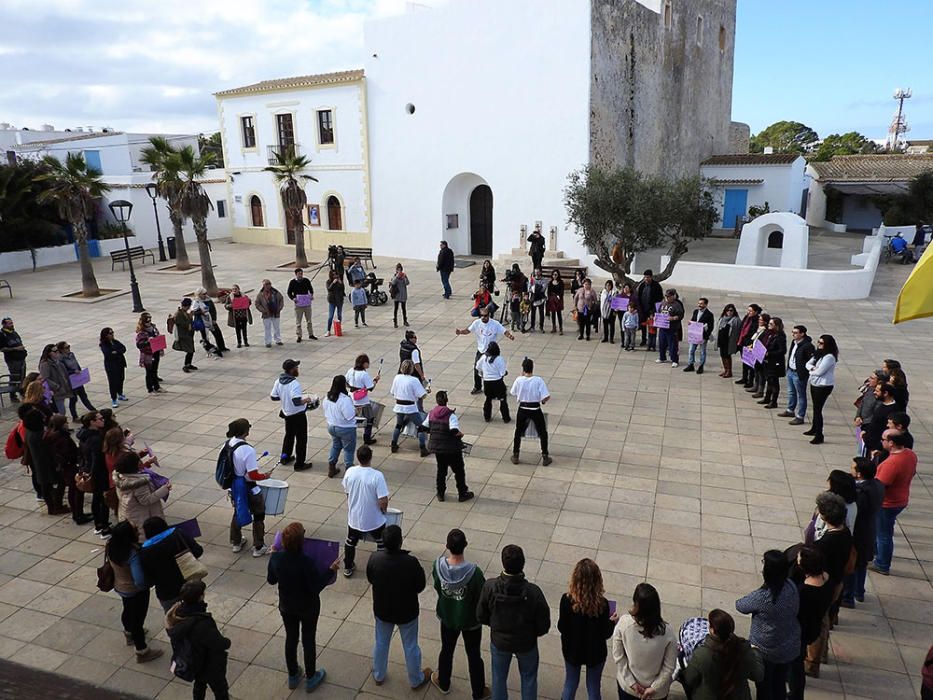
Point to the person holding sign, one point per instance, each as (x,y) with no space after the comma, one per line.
(532,394)
(746,332)
(759,346)
(727,338)
(150,351)
(77,377)
(607,310)
(698,333)
(301,292)
(671,312)
(239,314)
(773,363)
(54,374)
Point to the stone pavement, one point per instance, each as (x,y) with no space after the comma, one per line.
(659,475)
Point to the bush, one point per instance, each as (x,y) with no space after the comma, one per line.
(109,230)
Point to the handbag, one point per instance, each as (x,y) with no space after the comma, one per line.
(197,324)
(190,567)
(360,394)
(105,576)
(84,482)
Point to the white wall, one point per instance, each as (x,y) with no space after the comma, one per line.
(508,102)
(782,188)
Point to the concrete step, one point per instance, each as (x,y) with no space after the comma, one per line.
(556,257)
(520,252)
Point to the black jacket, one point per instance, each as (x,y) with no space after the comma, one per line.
(114,354)
(299,286)
(335,292)
(92,457)
(536,244)
(869,495)
(300,583)
(397,578)
(646,296)
(804,353)
(871,433)
(836,546)
(158,562)
(814,602)
(707,319)
(209,645)
(774,358)
(516,612)
(445,260)
(583,638)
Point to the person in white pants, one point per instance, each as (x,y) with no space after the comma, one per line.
(269,304)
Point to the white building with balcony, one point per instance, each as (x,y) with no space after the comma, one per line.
(322,117)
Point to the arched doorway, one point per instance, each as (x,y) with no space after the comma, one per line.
(481,220)
(334,218)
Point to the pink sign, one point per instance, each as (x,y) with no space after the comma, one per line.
(747,358)
(80,378)
(157,343)
(302,300)
(695,332)
(241,302)
(662,320)
(619,303)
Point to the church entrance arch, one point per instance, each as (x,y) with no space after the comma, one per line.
(467,215)
(481,221)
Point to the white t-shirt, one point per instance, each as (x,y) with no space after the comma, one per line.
(529,389)
(340,413)
(452,420)
(491,370)
(361,380)
(406,388)
(416,356)
(244,460)
(286,393)
(364,487)
(486,333)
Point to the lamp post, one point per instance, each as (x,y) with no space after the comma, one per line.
(153,191)
(121,210)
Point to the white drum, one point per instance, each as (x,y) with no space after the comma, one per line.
(274,494)
(393,517)
(531,432)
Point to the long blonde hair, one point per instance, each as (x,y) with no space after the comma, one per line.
(586,588)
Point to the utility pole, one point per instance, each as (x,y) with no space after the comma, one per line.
(899,123)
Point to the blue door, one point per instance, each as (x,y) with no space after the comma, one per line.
(735,205)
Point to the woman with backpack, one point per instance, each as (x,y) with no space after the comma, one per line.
(122,551)
(722,665)
(398,290)
(114,364)
(149,358)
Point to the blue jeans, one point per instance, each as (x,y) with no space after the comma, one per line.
(332,310)
(445,280)
(403,419)
(884,538)
(693,350)
(409,634)
(667,343)
(796,394)
(527,669)
(853,585)
(572,680)
(344,438)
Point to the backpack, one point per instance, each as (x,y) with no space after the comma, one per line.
(170,324)
(510,611)
(223,473)
(15,444)
(185,661)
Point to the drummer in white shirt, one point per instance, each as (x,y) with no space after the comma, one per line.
(341,424)
(532,394)
(492,368)
(360,384)
(407,390)
(487,330)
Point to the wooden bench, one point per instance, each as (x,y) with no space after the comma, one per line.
(6,285)
(123,256)
(364,254)
(567,272)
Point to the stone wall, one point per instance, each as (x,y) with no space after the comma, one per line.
(739,136)
(661,96)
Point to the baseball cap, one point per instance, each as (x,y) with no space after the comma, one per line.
(289,365)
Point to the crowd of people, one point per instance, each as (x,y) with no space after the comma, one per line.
(792,613)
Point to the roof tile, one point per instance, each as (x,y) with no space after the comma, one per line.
(892,167)
(298,81)
(752,159)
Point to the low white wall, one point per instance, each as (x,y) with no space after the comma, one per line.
(781,281)
(906,232)
(22,260)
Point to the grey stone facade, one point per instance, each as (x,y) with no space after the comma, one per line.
(739,136)
(661,83)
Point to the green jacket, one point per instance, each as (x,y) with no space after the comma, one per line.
(703,675)
(458,591)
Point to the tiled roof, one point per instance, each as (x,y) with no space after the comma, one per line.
(878,168)
(299,81)
(726,181)
(752,159)
(921,142)
(73,137)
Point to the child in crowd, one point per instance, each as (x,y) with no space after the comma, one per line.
(525,309)
(629,326)
(358,300)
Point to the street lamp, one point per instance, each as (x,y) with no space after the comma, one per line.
(121,210)
(153,191)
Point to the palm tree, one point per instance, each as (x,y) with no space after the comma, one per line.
(288,172)
(195,205)
(74,189)
(161,156)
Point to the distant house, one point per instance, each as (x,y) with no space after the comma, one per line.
(914,148)
(846,185)
(749,180)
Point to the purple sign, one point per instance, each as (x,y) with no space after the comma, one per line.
(747,358)
(190,528)
(612,608)
(695,331)
(662,320)
(80,378)
(619,303)
(322,552)
(759,351)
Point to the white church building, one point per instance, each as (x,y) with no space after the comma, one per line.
(467,119)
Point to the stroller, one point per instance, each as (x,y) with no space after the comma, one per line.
(692,633)
(374,295)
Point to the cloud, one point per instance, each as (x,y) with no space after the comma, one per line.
(145,67)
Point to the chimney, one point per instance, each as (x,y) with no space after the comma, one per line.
(769,150)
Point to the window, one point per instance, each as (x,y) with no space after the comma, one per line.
(668,15)
(92,158)
(255,211)
(776,239)
(334,218)
(699,31)
(249,132)
(722,38)
(325,124)
(221,208)
(285,129)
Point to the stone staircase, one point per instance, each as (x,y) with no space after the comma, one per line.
(520,256)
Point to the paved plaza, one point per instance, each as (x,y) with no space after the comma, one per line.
(658,475)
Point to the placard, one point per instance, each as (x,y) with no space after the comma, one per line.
(322,552)
(695,331)
(241,302)
(759,351)
(747,358)
(190,528)
(80,378)
(302,300)
(662,320)
(619,303)
(157,342)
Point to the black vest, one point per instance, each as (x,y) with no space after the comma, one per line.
(442,439)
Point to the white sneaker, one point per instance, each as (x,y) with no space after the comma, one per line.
(237,548)
(659,361)
(327,335)
(674,364)
(261,551)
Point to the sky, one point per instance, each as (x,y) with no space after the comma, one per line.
(132,66)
